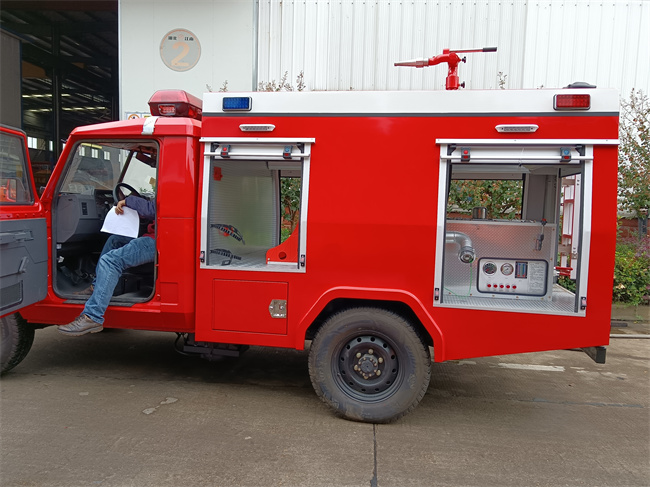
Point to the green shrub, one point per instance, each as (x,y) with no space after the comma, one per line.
(632,271)
(567,283)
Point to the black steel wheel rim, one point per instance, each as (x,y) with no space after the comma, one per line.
(367,368)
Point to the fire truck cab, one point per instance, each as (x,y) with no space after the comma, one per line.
(381,272)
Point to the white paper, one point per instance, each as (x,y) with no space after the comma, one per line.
(127,224)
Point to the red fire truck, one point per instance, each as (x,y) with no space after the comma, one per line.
(383,273)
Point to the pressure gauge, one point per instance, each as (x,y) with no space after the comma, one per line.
(489,268)
(507,269)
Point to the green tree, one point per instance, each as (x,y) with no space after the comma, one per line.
(632,271)
(501,198)
(634,154)
(290,201)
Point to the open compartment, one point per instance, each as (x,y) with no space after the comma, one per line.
(254,207)
(513,219)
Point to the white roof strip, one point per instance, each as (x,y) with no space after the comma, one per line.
(413,103)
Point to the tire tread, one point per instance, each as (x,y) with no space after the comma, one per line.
(22,336)
(326,396)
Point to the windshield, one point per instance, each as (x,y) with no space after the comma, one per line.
(99,166)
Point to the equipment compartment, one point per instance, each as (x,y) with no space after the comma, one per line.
(504,207)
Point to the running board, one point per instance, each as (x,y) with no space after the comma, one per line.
(212,351)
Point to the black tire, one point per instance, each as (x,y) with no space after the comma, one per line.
(369,365)
(16,340)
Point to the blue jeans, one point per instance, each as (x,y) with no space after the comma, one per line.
(119,253)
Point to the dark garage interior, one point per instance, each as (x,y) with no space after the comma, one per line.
(60,71)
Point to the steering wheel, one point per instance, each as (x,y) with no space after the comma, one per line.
(117,191)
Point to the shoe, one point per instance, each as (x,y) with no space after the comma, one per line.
(86,292)
(80,326)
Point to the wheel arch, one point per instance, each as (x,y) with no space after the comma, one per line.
(400,302)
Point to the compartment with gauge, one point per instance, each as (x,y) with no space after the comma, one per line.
(514,220)
(512,259)
(510,277)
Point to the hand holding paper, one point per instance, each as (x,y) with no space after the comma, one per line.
(127,224)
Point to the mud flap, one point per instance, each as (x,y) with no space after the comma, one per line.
(597,354)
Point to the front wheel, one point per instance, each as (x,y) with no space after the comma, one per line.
(16,338)
(369,365)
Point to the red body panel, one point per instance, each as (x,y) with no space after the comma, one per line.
(374,213)
(372,230)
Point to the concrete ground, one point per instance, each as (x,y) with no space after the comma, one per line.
(122,409)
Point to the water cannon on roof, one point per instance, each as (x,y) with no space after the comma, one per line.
(451,58)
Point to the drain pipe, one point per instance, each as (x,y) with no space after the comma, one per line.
(466,254)
(623,335)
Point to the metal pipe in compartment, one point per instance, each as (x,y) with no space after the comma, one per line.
(466,254)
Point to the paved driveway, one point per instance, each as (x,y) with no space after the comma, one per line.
(122,408)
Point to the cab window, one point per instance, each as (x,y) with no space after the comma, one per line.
(15,187)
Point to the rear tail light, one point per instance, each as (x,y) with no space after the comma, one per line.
(572,102)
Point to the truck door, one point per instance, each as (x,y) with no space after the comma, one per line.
(253,216)
(23,228)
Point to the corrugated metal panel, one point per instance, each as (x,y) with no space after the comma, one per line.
(352,44)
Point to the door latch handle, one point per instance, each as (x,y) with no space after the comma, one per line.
(278,308)
(11,237)
(22,268)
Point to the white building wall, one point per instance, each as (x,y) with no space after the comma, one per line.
(224,28)
(352,44)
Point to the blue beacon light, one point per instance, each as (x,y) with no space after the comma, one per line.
(237,103)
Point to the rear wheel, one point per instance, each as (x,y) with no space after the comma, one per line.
(16,340)
(369,365)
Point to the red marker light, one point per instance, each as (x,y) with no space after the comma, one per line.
(167,110)
(572,102)
(175,103)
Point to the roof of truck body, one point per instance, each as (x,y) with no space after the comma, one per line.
(413,103)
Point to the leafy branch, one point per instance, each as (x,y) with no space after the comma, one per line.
(634,154)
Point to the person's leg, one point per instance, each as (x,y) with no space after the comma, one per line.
(113,242)
(109,269)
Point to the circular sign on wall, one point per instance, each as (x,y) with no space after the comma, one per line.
(180,50)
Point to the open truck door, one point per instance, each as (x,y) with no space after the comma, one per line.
(23,246)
